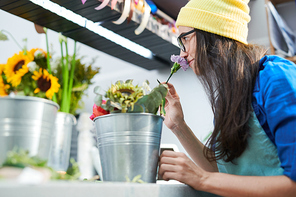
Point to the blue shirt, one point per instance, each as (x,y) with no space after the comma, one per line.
(274,103)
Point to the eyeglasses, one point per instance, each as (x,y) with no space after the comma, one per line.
(180,43)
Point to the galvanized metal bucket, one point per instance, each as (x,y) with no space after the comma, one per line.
(129,145)
(26,123)
(61,142)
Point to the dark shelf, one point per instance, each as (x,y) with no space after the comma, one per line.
(160,48)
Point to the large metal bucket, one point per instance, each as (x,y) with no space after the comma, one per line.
(61,142)
(129,145)
(26,123)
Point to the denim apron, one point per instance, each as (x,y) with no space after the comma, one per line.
(260,158)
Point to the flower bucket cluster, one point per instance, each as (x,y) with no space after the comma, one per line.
(124,97)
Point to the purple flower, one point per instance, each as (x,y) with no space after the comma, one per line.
(83,1)
(180,60)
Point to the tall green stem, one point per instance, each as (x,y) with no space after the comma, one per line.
(47,58)
(63,99)
(54,98)
(73,64)
(66,81)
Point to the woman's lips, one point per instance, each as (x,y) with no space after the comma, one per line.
(190,62)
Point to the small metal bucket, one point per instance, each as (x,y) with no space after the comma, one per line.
(129,145)
(61,142)
(26,123)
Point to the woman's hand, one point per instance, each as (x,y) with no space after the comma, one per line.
(174,113)
(177,166)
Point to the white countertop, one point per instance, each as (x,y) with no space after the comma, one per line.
(99,189)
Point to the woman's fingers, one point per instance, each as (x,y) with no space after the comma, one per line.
(173,154)
(177,166)
(171,91)
(171,161)
(170,176)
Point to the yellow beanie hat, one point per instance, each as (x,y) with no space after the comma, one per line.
(228,18)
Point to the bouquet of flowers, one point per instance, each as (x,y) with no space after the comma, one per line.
(124,97)
(25,73)
(30,73)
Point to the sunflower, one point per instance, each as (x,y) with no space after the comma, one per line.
(35,52)
(125,94)
(46,83)
(16,68)
(40,58)
(3,87)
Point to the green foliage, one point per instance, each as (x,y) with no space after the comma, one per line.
(20,158)
(151,102)
(124,97)
(82,79)
(72,173)
(136,179)
(3,36)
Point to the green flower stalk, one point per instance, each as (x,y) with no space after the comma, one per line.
(179,62)
(54,98)
(4,37)
(73,64)
(67,83)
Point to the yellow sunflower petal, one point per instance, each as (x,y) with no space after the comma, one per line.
(15,80)
(2,66)
(37,75)
(36,90)
(3,88)
(54,88)
(16,67)
(33,51)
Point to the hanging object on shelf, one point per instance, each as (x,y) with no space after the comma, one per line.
(39,29)
(152,6)
(113,3)
(103,4)
(131,12)
(83,1)
(125,12)
(140,5)
(145,19)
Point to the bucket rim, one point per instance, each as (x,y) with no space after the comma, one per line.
(129,114)
(64,114)
(31,98)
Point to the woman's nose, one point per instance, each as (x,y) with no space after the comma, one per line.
(183,54)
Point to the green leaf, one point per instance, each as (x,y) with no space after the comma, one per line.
(208,136)
(151,102)
(3,36)
(21,158)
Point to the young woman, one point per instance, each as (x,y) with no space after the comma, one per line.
(252,150)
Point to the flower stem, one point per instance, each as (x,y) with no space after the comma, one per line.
(47,58)
(13,39)
(73,64)
(63,99)
(169,77)
(54,98)
(66,84)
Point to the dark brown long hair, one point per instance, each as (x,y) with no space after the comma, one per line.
(228,71)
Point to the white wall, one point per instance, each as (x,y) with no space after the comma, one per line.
(196,108)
